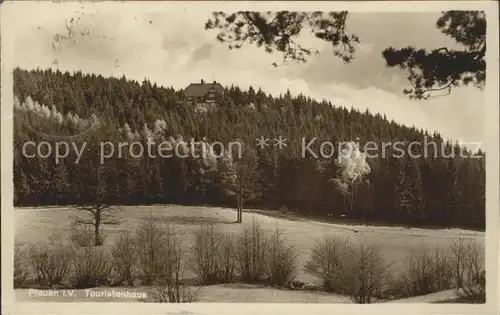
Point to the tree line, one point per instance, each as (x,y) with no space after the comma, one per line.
(445,186)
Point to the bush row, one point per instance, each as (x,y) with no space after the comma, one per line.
(358,269)
(155,255)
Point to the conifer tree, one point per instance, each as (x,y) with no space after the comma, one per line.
(408,188)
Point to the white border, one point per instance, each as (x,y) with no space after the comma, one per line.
(8,27)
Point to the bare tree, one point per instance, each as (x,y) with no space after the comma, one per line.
(101,214)
(97,197)
(240,177)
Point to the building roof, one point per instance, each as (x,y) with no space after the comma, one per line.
(200,89)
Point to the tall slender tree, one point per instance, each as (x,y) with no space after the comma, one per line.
(241,177)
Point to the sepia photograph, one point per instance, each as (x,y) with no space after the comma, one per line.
(209,153)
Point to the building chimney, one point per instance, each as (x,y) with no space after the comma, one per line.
(202,81)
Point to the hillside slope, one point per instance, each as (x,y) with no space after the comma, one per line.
(440,184)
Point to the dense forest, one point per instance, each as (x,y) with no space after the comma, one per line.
(439,188)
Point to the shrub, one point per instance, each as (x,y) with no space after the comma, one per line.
(281,260)
(181,293)
(365,273)
(328,262)
(475,264)
(21,266)
(150,247)
(124,258)
(161,260)
(475,292)
(252,246)
(82,237)
(217,257)
(213,255)
(459,266)
(425,271)
(227,259)
(173,261)
(101,238)
(474,289)
(354,269)
(205,254)
(91,267)
(467,259)
(170,282)
(459,255)
(51,261)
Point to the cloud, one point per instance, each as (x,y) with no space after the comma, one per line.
(203,52)
(174,49)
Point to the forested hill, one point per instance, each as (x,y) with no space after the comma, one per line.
(433,189)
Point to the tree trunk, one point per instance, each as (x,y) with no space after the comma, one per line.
(240,211)
(130,279)
(96,228)
(353,200)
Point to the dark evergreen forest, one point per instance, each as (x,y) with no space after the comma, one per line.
(442,188)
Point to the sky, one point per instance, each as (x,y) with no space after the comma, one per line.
(172,48)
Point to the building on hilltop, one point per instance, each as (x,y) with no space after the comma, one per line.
(204,96)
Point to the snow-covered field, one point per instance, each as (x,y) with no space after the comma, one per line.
(35,224)
(226,293)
